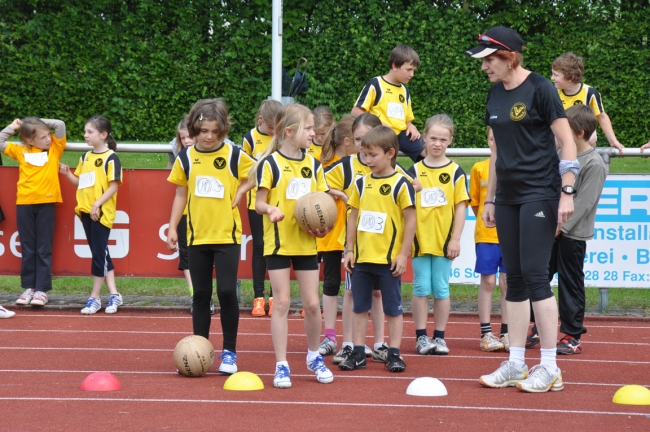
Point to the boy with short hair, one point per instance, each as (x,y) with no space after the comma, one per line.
(567,71)
(570,246)
(388,98)
(381,226)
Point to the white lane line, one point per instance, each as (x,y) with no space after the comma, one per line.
(319,403)
(341,375)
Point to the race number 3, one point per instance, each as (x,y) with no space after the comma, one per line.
(298,187)
(432,197)
(208,187)
(372,222)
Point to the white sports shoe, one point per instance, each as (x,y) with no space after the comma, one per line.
(542,379)
(424,346)
(4,313)
(114,301)
(282,377)
(93,306)
(323,375)
(441,346)
(39,299)
(327,347)
(508,375)
(489,343)
(228,363)
(26,297)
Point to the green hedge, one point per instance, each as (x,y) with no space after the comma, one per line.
(144,63)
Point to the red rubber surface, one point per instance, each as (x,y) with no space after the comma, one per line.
(47,354)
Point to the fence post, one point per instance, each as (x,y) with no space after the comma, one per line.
(603,301)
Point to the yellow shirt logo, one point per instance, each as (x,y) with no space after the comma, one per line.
(518,111)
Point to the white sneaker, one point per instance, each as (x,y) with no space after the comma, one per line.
(327,347)
(114,301)
(228,363)
(282,377)
(542,379)
(39,299)
(323,375)
(505,340)
(4,313)
(508,375)
(93,306)
(424,346)
(26,297)
(490,343)
(441,346)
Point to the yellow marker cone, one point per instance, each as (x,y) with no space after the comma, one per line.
(632,395)
(243,381)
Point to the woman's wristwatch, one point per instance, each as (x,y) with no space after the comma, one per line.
(568,189)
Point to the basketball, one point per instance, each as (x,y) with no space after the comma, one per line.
(193,356)
(315,210)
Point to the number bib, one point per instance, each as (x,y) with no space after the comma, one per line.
(372,222)
(432,197)
(395,110)
(208,187)
(36,159)
(86,180)
(298,187)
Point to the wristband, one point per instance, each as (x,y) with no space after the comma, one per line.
(488,202)
(347,251)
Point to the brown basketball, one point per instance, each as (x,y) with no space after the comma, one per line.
(193,356)
(315,210)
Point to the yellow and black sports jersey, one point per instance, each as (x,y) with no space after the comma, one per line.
(255,144)
(587,95)
(95,172)
(380,223)
(478,182)
(442,188)
(332,241)
(38,172)
(315,150)
(287,180)
(212,178)
(390,102)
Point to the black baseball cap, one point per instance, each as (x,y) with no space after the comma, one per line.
(497,38)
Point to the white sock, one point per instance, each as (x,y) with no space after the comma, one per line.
(349,344)
(281,363)
(518,356)
(549,357)
(311,355)
(378,345)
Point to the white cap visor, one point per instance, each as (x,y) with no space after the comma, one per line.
(480,51)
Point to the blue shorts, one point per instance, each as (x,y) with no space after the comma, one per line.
(488,259)
(431,276)
(368,277)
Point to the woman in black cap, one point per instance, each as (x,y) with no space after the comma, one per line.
(530,194)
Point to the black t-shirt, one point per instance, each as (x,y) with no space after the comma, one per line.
(527,163)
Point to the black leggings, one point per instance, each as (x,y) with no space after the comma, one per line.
(258,261)
(526,233)
(331,272)
(225,259)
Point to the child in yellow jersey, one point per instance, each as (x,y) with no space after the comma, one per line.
(97,177)
(255,143)
(338,143)
(38,191)
(323,121)
(208,178)
(284,174)
(441,209)
(489,261)
(381,226)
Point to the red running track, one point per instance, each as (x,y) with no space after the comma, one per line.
(46,355)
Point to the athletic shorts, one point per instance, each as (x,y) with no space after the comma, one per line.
(488,259)
(431,276)
(368,277)
(299,263)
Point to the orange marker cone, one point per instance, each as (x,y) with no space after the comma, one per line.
(101,381)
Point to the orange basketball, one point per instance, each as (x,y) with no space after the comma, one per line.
(315,210)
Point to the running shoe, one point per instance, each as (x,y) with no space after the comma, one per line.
(93,306)
(368,351)
(352,362)
(490,343)
(533,337)
(228,363)
(26,297)
(508,375)
(567,345)
(258,307)
(380,355)
(505,340)
(39,299)
(342,354)
(4,313)
(542,379)
(282,377)
(323,375)
(424,346)
(270,306)
(395,363)
(327,347)
(441,346)
(114,301)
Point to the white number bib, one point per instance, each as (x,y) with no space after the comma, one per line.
(432,197)
(208,187)
(298,187)
(395,110)
(86,180)
(36,159)
(372,222)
